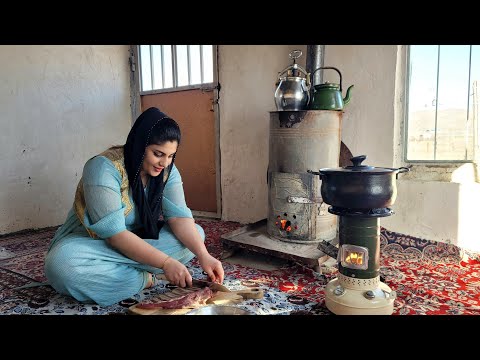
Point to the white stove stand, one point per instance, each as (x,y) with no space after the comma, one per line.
(350,296)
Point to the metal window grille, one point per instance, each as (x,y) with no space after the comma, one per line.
(442,103)
(165,68)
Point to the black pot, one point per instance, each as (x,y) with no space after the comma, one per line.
(359,186)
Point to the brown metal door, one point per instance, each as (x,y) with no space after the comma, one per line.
(196,160)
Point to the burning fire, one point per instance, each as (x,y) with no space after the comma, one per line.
(285,224)
(354,258)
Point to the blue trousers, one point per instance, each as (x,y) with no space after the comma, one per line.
(92,271)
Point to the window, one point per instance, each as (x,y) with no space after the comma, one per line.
(442,103)
(175,67)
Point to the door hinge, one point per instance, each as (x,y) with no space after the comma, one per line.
(214,102)
(131,61)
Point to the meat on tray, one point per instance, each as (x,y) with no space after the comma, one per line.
(179,298)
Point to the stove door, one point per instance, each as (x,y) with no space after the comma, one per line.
(296,212)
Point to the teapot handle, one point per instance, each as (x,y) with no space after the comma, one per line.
(295,54)
(294,66)
(332,68)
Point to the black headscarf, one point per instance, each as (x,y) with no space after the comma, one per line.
(140,136)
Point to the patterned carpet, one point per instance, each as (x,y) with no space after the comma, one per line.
(429,278)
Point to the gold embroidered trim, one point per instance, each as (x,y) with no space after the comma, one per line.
(115,155)
(79,208)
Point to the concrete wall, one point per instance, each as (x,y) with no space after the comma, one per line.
(63,104)
(368,121)
(247,75)
(469,198)
(60,105)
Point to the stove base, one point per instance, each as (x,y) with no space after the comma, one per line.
(254,237)
(354,300)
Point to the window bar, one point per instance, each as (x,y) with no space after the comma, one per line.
(189,65)
(436,107)
(476,128)
(468,101)
(139,52)
(174,65)
(152,75)
(163,65)
(201,64)
(408,71)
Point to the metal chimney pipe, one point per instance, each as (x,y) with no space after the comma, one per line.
(314,60)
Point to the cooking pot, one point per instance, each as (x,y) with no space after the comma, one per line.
(359,186)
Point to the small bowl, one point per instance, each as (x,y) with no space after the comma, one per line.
(219,310)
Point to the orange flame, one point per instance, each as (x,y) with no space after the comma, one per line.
(354,258)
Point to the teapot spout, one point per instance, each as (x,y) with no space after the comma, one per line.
(347,95)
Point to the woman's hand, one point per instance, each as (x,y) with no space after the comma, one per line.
(212,267)
(177,273)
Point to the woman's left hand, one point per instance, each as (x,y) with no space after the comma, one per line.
(212,267)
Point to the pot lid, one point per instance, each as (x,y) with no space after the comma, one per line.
(358,167)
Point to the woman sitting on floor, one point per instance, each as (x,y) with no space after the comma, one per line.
(129,221)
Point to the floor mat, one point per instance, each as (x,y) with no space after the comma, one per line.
(429,278)
(24,252)
(25,242)
(30,265)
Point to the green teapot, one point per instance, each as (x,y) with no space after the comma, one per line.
(328,96)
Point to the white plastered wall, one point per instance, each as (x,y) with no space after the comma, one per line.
(60,105)
(247,75)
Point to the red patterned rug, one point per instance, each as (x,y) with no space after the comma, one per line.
(430,278)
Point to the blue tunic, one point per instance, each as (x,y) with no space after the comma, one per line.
(89,269)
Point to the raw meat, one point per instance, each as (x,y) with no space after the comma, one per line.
(178,299)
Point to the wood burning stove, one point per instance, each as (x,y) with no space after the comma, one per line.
(299,141)
(297,218)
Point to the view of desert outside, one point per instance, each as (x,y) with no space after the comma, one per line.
(457,94)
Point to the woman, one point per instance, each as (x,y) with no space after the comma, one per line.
(129,221)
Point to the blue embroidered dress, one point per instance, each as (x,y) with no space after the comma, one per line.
(89,269)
